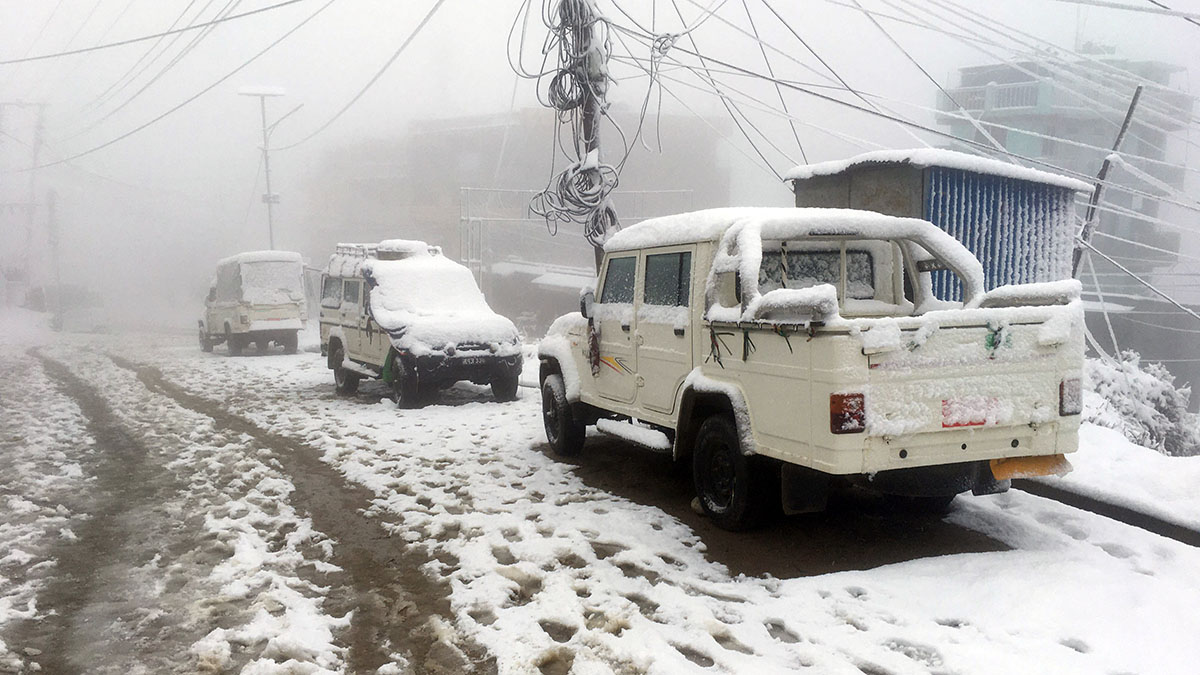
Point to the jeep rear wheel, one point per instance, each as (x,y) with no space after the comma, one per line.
(344,381)
(233,342)
(290,342)
(565,434)
(733,491)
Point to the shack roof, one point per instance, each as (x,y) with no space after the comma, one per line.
(930,157)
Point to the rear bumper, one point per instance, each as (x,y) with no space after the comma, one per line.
(268,325)
(480,369)
(951,446)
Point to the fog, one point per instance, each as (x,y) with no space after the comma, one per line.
(145,218)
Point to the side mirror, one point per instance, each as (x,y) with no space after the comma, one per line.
(586,302)
(212,294)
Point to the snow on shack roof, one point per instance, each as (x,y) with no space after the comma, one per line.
(926,157)
(261,256)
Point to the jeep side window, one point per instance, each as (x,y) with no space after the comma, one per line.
(668,279)
(331,292)
(618,281)
(350,292)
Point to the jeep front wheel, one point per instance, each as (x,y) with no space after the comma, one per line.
(564,433)
(504,388)
(344,381)
(730,489)
(406,389)
(206,345)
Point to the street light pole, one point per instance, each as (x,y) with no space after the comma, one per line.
(270,198)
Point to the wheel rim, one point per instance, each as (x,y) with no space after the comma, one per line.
(720,475)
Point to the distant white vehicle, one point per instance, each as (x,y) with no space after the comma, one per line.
(256,297)
(783,348)
(403,312)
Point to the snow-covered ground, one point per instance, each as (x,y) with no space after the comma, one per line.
(551,574)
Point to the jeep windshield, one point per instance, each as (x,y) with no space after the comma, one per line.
(272,283)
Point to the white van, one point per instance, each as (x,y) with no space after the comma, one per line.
(256,297)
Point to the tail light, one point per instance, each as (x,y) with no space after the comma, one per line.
(847,414)
(1070,397)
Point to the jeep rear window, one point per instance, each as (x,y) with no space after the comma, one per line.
(668,277)
(811,268)
(618,280)
(331,292)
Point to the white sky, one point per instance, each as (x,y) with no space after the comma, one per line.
(186,184)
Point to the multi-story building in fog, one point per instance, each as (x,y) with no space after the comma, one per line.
(1068,115)
(465,184)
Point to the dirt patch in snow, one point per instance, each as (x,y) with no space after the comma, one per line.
(396,608)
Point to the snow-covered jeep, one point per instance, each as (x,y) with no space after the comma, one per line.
(783,348)
(403,312)
(256,297)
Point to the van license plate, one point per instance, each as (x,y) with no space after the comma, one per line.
(472,361)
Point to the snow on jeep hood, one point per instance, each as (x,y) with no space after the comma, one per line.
(432,301)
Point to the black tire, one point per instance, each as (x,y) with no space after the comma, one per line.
(345,382)
(206,345)
(233,342)
(565,434)
(290,342)
(734,491)
(504,388)
(406,390)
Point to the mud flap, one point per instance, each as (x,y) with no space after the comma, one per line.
(1030,467)
(802,490)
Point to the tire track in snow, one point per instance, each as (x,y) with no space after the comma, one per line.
(397,608)
(86,594)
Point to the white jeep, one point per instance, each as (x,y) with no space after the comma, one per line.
(781,348)
(402,312)
(256,297)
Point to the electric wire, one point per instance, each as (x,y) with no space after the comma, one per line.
(121,43)
(193,97)
(370,83)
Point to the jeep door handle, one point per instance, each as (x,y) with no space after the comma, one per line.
(679,332)
(625,327)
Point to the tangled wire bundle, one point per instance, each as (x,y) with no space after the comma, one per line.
(580,192)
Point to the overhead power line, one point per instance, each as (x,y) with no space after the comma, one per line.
(195,96)
(155,36)
(373,80)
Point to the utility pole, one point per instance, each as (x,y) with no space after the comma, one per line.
(30,205)
(270,198)
(1091,216)
(588,68)
(52,236)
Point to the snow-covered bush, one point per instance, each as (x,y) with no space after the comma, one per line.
(1142,402)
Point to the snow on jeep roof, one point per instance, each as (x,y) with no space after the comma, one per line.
(924,157)
(775,223)
(261,256)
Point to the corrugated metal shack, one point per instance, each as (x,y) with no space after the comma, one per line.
(1019,222)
